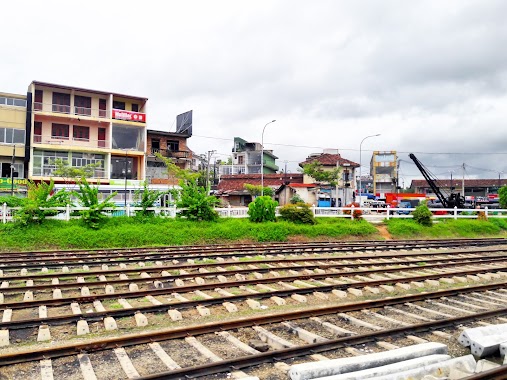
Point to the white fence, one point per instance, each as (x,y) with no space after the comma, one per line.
(368,213)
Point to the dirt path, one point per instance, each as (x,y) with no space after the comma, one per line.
(383,232)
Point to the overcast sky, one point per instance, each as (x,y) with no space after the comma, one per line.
(429,76)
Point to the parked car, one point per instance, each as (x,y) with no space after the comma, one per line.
(404,204)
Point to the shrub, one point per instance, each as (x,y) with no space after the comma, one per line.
(262,209)
(196,203)
(88,196)
(357,213)
(423,215)
(146,198)
(296,199)
(297,213)
(11,201)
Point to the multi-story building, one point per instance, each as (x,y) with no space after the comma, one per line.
(246,159)
(384,170)
(12,142)
(172,145)
(83,127)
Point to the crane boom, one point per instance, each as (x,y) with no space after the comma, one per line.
(454,199)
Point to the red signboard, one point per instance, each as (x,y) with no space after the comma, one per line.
(129,116)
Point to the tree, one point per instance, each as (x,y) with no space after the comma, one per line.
(146,198)
(502,196)
(195,201)
(317,172)
(71,173)
(174,171)
(256,190)
(41,196)
(88,196)
(423,215)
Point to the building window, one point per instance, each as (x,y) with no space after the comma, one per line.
(44,162)
(37,105)
(118,166)
(102,107)
(12,101)
(12,136)
(61,102)
(118,105)
(82,105)
(155,146)
(79,160)
(81,133)
(37,132)
(59,131)
(241,160)
(125,137)
(135,107)
(173,146)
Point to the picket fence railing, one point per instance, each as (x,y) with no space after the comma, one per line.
(368,213)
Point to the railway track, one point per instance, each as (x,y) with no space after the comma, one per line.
(180,314)
(310,334)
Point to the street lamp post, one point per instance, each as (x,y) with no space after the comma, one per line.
(360,163)
(262,157)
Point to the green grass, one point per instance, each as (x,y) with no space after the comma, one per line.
(467,228)
(125,232)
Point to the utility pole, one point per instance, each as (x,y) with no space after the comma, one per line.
(463,180)
(12,169)
(210,153)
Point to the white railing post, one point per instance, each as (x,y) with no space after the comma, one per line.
(313,210)
(388,212)
(173,211)
(4,213)
(486,212)
(455,212)
(352,212)
(67,213)
(127,210)
(228,211)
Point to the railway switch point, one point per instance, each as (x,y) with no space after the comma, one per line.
(109,289)
(57,294)
(43,334)
(28,296)
(82,327)
(141,320)
(4,338)
(110,324)
(230,307)
(133,287)
(85,291)
(175,315)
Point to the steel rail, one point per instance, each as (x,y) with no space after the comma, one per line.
(110,261)
(181,332)
(165,279)
(98,316)
(374,245)
(499,373)
(448,262)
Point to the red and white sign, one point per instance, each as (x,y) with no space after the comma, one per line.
(129,116)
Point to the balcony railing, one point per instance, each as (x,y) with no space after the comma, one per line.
(180,154)
(74,141)
(67,109)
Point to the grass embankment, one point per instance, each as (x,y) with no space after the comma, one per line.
(449,228)
(125,232)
